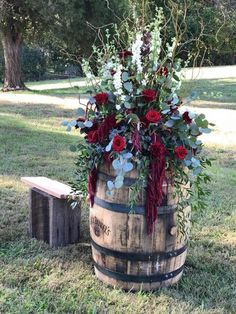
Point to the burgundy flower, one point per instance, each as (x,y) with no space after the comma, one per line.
(113,72)
(101,98)
(157,149)
(106,126)
(92,137)
(149,95)
(163,71)
(173,109)
(118,143)
(107,157)
(136,140)
(153,116)
(125,53)
(145,49)
(180,152)
(186,117)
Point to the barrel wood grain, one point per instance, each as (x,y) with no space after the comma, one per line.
(117,234)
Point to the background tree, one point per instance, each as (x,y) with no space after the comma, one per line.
(60,26)
(17,18)
(206,27)
(64,30)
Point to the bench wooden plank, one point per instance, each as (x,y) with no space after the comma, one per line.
(52,187)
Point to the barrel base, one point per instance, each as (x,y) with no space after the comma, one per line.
(133,286)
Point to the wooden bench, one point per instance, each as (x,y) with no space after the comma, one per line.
(51,218)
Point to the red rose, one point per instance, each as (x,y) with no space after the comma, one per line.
(149,95)
(92,137)
(101,98)
(180,152)
(153,116)
(118,143)
(186,117)
(125,53)
(157,149)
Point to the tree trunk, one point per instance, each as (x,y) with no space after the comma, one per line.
(12,46)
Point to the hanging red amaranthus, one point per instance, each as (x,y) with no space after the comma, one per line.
(92,181)
(136,140)
(155,183)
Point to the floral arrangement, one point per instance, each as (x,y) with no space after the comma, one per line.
(134,119)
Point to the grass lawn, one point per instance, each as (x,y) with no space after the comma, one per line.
(36,279)
(213,93)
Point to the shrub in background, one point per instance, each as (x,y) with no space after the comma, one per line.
(34,64)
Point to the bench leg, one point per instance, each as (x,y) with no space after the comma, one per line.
(64,223)
(39,215)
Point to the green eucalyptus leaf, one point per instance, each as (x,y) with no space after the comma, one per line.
(176,77)
(125,76)
(128,86)
(73,148)
(128,105)
(194,130)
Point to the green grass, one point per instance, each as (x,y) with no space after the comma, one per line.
(72,80)
(214,93)
(36,279)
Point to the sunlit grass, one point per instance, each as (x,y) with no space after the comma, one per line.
(36,279)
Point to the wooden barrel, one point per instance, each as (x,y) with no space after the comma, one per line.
(124,255)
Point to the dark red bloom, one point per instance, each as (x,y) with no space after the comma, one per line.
(118,143)
(129,111)
(113,72)
(101,98)
(194,151)
(156,179)
(136,140)
(186,117)
(125,53)
(107,157)
(92,137)
(163,71)
(92,182)
(106,126)
(149,95)
(157,149)
(145,49)
(153,116)
(173,109)
(180,152)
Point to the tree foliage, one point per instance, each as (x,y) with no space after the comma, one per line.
(205,27)
(67,29)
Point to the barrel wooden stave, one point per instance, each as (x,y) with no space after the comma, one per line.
(120,196)
(127,233)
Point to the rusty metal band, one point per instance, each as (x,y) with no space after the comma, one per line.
(139,210)
(138,278)
(143,257)
(127,181)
